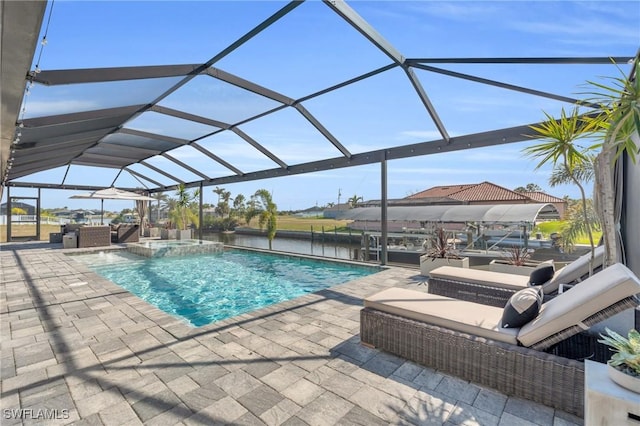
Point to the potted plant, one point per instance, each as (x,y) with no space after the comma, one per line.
(624,365)
(168,232)
(183,213)
(152,231)
(516,261)
(441,253)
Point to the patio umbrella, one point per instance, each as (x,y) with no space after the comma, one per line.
(112,193)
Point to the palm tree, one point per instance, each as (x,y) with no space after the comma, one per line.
(160,197)
(170,204)
(354,200)
(618,120)
(560,147)
(183,213)
(251,210)
(219,191)
(575,226)
(584,172)
(239,208)
(268,214)
(226,197)
(574,219)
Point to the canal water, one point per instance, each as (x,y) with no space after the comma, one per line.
(326,248)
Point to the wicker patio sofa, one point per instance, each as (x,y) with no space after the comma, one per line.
(93,236)
(125,233)
(466,339)
(495,288)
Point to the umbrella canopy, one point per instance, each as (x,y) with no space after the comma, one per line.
(112,193)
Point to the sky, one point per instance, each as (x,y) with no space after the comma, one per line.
(311,49)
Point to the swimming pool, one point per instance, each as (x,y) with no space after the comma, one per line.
(211,287)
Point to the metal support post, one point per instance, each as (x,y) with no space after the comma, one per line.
(383,206)
(200,214)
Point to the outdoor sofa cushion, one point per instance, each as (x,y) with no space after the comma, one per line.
(481,277)
(575,271)
(467,317)
(521,308)
(597,292)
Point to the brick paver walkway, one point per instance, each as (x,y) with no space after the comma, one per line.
(75,345)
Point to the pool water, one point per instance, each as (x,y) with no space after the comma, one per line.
(211,287)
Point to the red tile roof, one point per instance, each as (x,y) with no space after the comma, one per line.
(484,191)
(542,197)
(440,191)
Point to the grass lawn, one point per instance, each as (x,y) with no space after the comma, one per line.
(28,230)
(547,228)
(293,223)
(285,223)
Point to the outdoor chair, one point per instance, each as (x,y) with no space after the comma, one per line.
(70,227)
(125,233)
(467,340)
(495,288)
(93,236)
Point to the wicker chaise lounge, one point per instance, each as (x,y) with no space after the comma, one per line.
(466,339)
(495,288)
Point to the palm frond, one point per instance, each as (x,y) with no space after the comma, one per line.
(559,139)
(578,223)
(584,172)
(619,102)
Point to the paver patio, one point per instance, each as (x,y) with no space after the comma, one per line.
(84,349)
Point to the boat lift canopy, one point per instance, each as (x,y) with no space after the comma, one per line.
(486,213)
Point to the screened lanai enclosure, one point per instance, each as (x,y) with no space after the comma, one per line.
(289,89)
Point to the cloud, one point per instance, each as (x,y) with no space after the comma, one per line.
(579,27)
(459,11)
(611,8)
(460,171)
(482,103)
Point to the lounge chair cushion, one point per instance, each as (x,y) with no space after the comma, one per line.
(570,274)
(480,277)
(466,317)
(575,271)
(542,273)
(521,308)
(568,309)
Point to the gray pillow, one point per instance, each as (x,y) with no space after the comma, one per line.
(521,308)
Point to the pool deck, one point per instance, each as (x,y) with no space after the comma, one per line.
(93,354)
